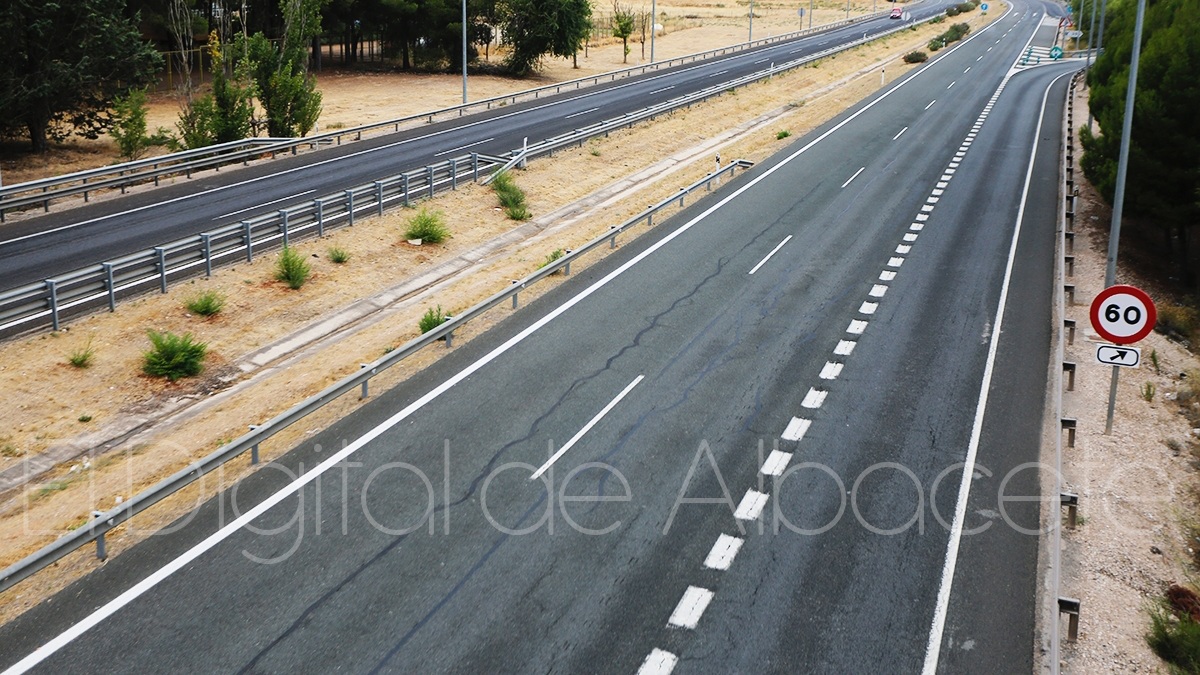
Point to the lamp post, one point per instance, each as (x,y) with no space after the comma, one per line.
(750,38)
(653,30)
(810,12)
(464,49)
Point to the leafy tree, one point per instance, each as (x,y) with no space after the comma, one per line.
(623,20)
(287,94)
(534,28)
(129,126)
(65,63)
(1164,159)
(226,114)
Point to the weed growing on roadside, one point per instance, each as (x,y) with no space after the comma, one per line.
(173,356)
(1148,390)
(428,226)
(432,319)
(82,356)
(782,134)
(292,268)
(1154,361)
(207,303)
(85,418)
(1175,639)
(338,255)
(554,255)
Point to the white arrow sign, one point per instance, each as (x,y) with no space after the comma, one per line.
(1111,355)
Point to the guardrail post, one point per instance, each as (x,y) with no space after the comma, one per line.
(1070,263)
(365,390)
(206,239)
(450,334)
(350,206)
(85,192)
(1069,290)
(429,177)
(475,166)
(101,549)
(1070,237)
(1070,607)
(162,267)
(249,242)
(405,181)
(320,217)
(1068,423)
(1071,501)
(1069,369)
(283,225)
(1069,324)
(453,174)
(379,196)
(52,288)
(254,448)
(109,285)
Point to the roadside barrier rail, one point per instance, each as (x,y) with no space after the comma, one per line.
(103,522)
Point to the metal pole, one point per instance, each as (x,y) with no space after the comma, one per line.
(847,10)
(1114,233)
(464,49)
(810,12)
(653,23)
(1099,44)
(750,38)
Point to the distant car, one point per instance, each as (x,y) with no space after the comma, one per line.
(897,13)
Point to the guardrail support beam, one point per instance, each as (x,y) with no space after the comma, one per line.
(1071,501)
(350,206)
(110,286)
(1069,324)
(254,448)
(365,389)
(1069,261)
(1069,369)
(162,267)
(1068,424)
(1070,607)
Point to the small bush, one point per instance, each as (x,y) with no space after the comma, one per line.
(1175,641)
(916,57)
(554,255)
(965,7)
(428,226)
(953,10)
(207,303)
(432,319)
(1177,321)
(782,134)
(292,268)
(338,255)
(512,198)
(935,44)
(1154,361)
(82,357)
(85,418)
(1148,390)
(937,19)
(517,212)
(173,356)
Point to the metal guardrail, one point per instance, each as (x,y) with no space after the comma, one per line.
(103,522)
(121,176)
(48,302)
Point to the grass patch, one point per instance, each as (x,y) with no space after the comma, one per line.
(1177,321)
(512,198)
(173,356)
(338,255)
(82,357)
(1175,638)
(1148,390)
(207,303)
(9,450)
(554,255)
(292,268)
(432,319)
(782,134)
(428,226)
(85,418)
(916,57)
(1154,361)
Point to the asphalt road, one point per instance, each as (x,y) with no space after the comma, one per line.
(833,316)
(66,239)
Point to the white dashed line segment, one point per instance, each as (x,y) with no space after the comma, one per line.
(815,397)
(722,553)
(831,370)
(844,347)
(751,506)
(658,662)
(691,607)
(773,252)
(775,463)
(796,429)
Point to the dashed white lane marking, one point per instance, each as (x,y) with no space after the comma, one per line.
(720,557)
(895,262)
(776,462)
(658,662)
(931,104)
(941,185)
(952,84)
(868,308)
(691,607)
(926,208)
(878,290)
(815,397)
(916,227)
(659,91)
(256,206)
(587,427)
(751,506)
(947,176)
(903,249)
(581,112)
(980,58)
(854,176)
(887,275)
(910,236)
(856,327)
(937,192)
(844,347)
(932,200)
(967,70)
(831,370)
(900,132)
(462,147)
(922,217)
(796,429)
(951,171)
(773,252)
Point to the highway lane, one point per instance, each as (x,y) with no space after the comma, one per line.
(66,239)
(713,361)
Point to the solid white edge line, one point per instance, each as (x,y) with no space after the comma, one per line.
(103,612)
(691,607)
(586,428)
(934,647)
(722,553)
(658,662)
(773,252)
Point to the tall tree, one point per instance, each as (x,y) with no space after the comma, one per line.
(1163,179)
(65,62)
(622,26)
(535,28)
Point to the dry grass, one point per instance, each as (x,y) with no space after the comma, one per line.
(46,398)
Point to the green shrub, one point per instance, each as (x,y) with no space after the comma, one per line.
(207,303)
(518,212)
(935,44)
(554,255)
(82,356)
(85,418)
(428,226)
(512,198)
(1177,321)
(1175,641)
(173,356)
(937,19)
(953,10)
(1148,390)
(338,255)
(782,134)
(292,268)
(915,57)
(432,319)
(965,7)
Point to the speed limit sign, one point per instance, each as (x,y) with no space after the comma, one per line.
(1123,314)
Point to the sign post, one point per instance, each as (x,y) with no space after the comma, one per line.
(1122,315)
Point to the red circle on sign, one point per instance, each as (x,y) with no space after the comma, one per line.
(1123,314)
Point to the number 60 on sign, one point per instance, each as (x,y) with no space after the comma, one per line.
(1123,314)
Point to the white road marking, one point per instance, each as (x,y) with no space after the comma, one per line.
(720,72)
(887,275)
(903,249)
(946,176)
(931,104)
(980,58)
(796,429)
(690,608)
(899,132)
(934,646)
(773,252)
(878,290)
(776,462)
(257,206)
(462,147)
(895,262)
(853,177)
(844,347)
(952,84)
(938,192)
(931,200)
(967,70)
(720,557)
(942,184)
(927,208)
(658,662)
(751,506)
(587,427)
(659,91)
(910,236)
(814,398)
(921,217)
(831,370)
(582,112)
(868,308)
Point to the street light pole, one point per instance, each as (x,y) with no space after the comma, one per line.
(653,30)
(750,38)
(464,49)
(810,12)
(1114,233)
